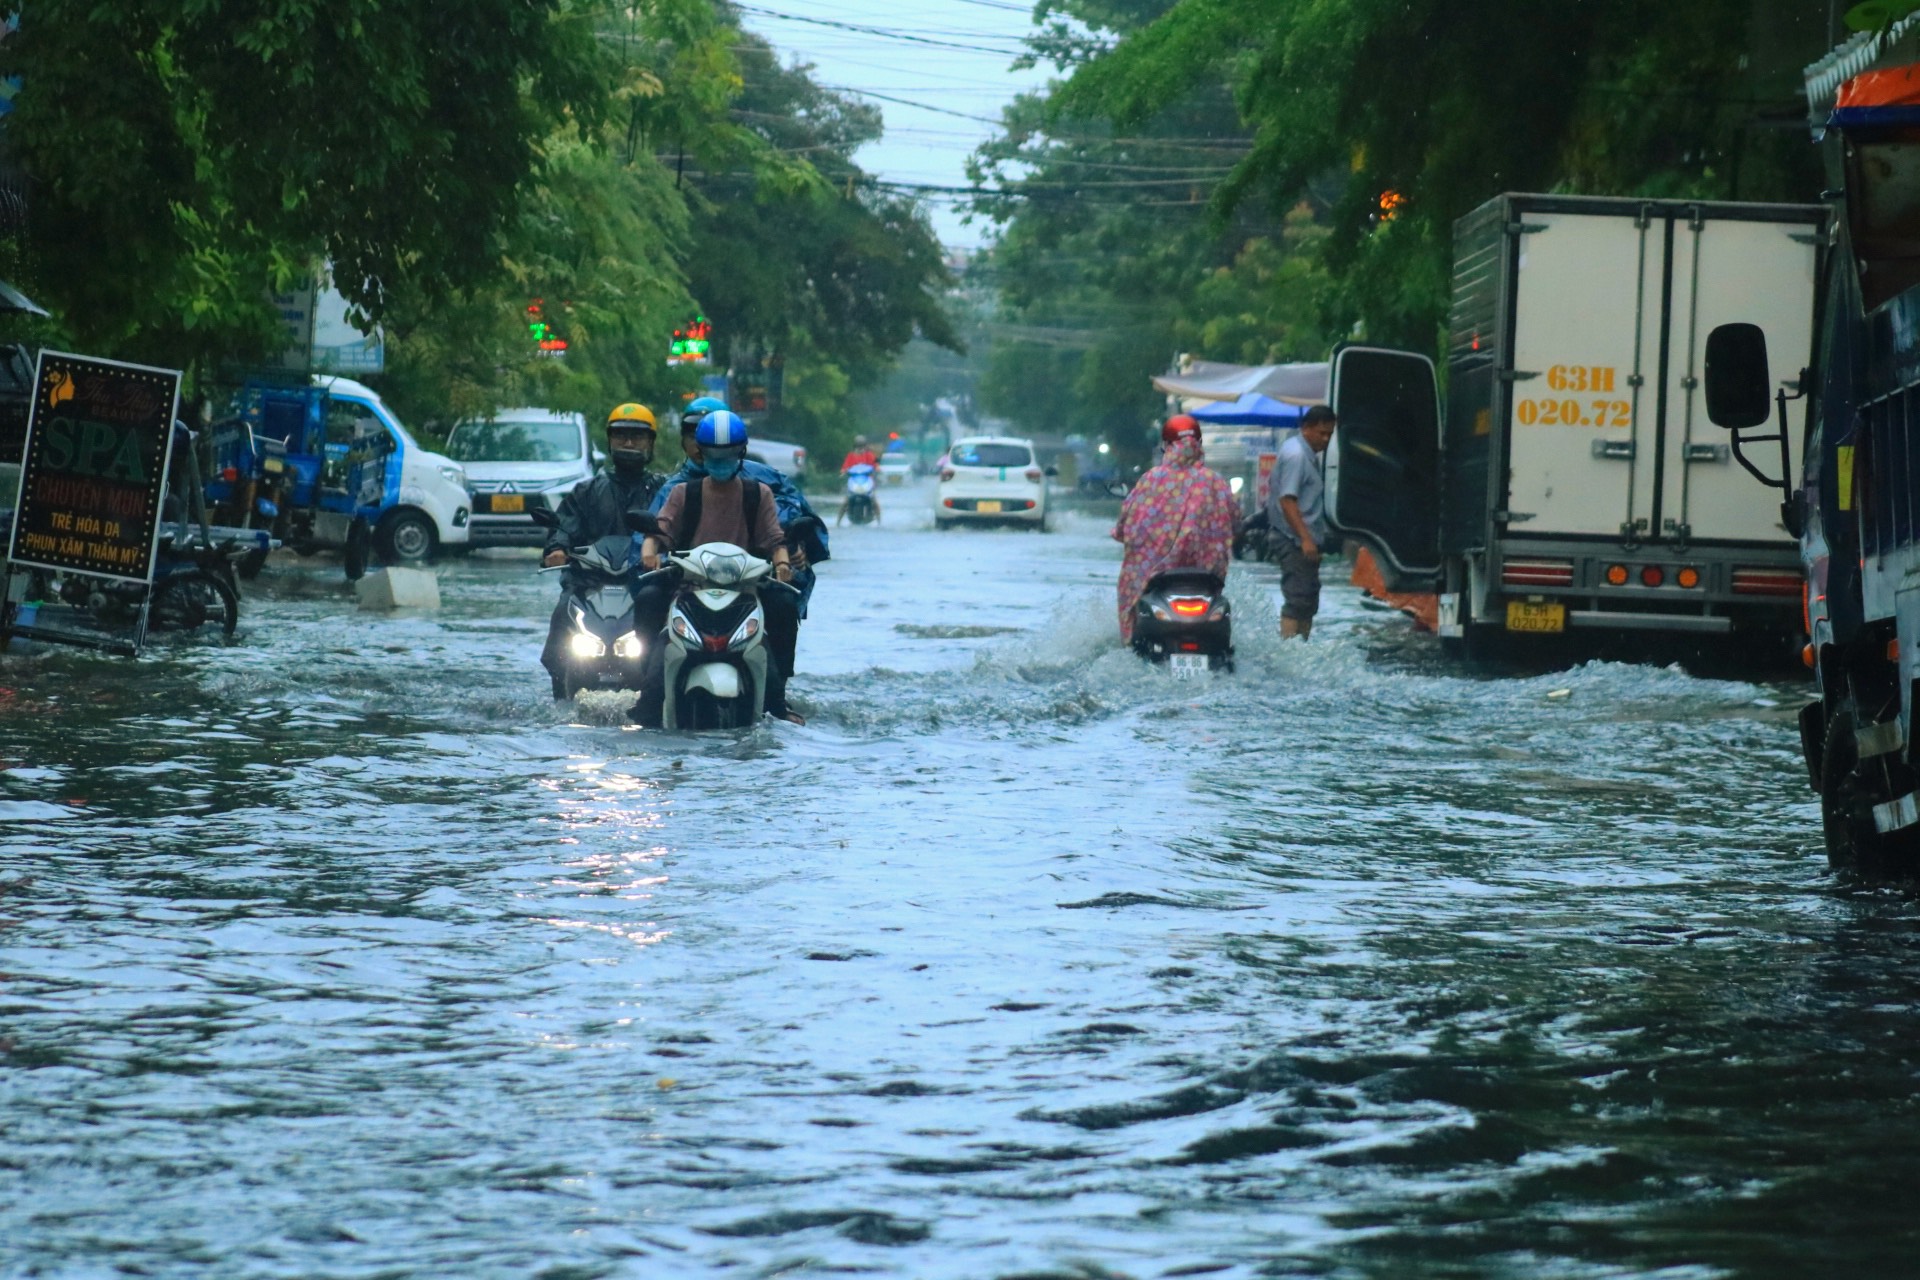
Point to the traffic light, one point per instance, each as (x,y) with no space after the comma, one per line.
(542,332)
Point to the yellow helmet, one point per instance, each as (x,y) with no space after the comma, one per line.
(632,415)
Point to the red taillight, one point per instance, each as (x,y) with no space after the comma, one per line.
(230,474)
(1188,608)
(1035,474)
(947,502)
(1766,582)
(1537,573)
(1653,575)
(799,459)
(946,473)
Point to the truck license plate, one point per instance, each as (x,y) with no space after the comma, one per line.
(1522,616)
(987,507)
(508,503)
(1185,666)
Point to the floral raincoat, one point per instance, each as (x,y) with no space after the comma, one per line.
(1179,516)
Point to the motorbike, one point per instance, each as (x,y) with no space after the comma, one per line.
(1184,619)
(1255,539)
(603,650)
(716,656)
(860,485)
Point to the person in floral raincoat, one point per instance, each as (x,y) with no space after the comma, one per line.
(1180,515)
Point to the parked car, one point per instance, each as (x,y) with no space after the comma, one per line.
(517,460)
(790,460)
(991,478)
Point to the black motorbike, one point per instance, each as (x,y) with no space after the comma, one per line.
(602,651)
(1185,621)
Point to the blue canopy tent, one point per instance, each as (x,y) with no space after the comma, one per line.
(1250,410)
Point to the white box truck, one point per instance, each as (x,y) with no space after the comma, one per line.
(1574,483)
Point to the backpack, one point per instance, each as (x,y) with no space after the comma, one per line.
(697,497)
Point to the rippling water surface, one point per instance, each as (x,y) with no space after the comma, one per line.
(345,952)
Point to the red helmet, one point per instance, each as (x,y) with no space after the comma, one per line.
(1180,424)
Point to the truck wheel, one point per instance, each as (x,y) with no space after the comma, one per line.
(404,537)
(359,546)
(1854,846)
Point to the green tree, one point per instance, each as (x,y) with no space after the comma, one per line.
(184,153)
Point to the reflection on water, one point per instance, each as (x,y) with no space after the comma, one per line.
(345,951)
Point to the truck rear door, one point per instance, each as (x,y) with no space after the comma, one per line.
(1383,467)
(1586,332)
(1727,269)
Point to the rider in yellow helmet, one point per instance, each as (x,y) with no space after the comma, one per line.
(598,507)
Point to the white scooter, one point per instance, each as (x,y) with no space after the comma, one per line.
(716,640)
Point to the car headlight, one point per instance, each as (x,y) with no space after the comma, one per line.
(627,646)
(453,475)
(585,645)
(746,631)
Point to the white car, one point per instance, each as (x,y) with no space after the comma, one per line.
(516,460)
(896,467)
(991,478)
(790,460)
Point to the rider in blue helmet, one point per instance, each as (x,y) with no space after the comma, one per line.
(720,506)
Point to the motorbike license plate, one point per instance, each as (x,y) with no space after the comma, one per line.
(1522,616)
(1185,666)
(987,507)
(272,466)
(508,503)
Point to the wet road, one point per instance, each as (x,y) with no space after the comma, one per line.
(344,952)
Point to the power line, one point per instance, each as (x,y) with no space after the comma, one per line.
(881,32)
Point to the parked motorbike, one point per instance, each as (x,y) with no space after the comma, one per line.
(603,650)
(1185,620)
(1255,540)
(860,485)
(716,656)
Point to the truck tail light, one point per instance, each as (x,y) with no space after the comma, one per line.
(1688,577)
(1653,575)
(1536,573)
(1766,582)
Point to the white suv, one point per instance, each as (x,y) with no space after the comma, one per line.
(517,460)
(991,478)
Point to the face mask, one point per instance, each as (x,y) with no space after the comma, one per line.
(722,468)
(630,455)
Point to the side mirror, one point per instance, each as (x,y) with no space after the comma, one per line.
(642,522)
(599,458)
(1739,392)
(543,517)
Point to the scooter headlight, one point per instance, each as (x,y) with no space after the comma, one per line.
(683,630)
(628,646)
(746,631)
(585,645)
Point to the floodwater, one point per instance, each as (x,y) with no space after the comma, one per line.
(344,952)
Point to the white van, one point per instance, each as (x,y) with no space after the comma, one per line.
(517,460)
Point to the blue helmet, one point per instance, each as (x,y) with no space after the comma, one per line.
(721,428)
(698,409)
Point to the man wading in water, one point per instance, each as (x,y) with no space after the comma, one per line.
(1297,512)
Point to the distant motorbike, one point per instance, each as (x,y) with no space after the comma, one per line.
(716,656)
(1185,621)
(1255,541)
(603,650)
(860,485)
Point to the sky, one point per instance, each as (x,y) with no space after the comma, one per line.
(928,65)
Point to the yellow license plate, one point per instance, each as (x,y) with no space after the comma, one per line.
(987,508)
(508,503)
(273,466)
(1536,617)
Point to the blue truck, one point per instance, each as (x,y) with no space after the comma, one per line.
(1854,414)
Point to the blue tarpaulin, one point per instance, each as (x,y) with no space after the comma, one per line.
(1250,410)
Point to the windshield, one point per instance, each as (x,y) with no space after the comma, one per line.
(515,441)
(969,454)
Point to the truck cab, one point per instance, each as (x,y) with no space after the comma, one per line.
(329,465)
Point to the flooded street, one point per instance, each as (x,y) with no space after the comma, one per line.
(344,951)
